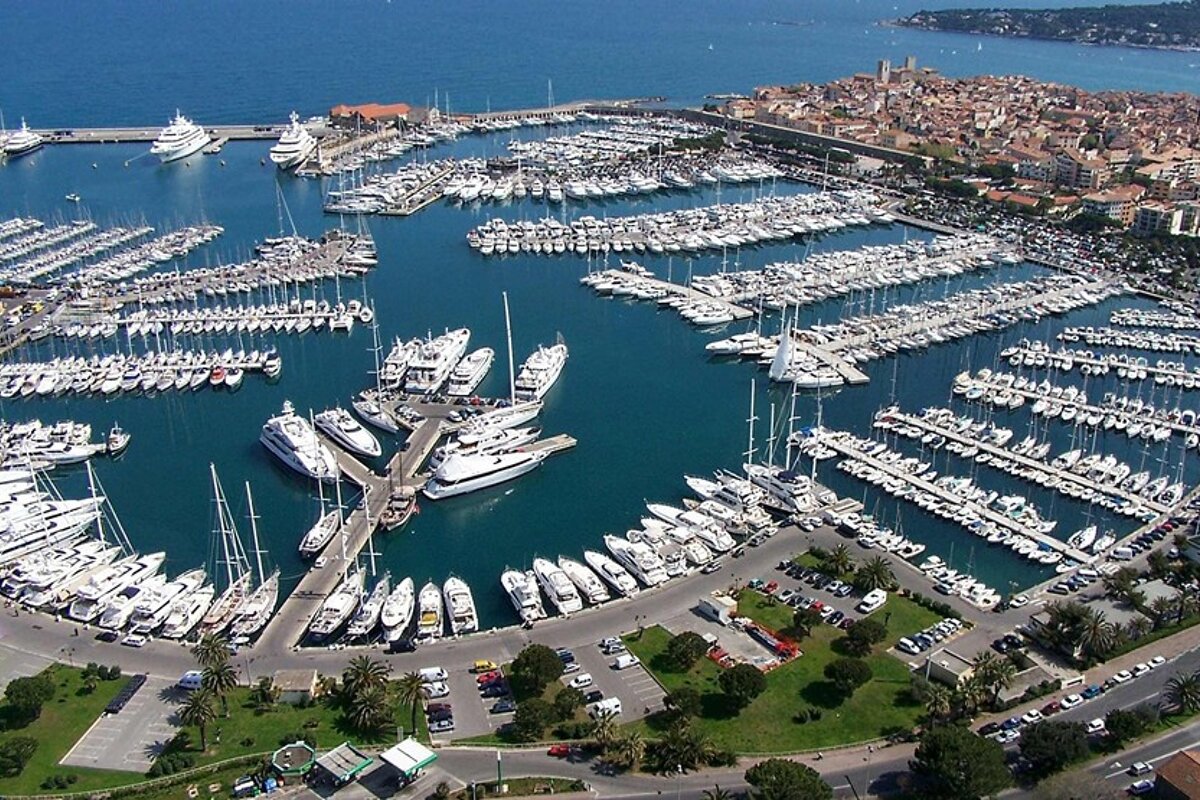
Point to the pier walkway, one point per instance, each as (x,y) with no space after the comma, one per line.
(987,514)
(150,133)
(696,296)
(1033,464)
(1068,360)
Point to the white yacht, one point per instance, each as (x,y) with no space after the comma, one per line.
(586,581)
(293,441)
(22,142)
(398,610)
(295,145)
(1083,539)
(375,414)
(256,610)
(461,474)
(187,614)
(639,558)
(612,573)
(540,371)
(429,613)
(523,592)
(433,362)
(338,606)
(179,139)
(367,616)
(344,429)
(460,606)
(786,490)
(470,372)
(153,607)
(91,597)
(46,568)
(502,417)
(116,611)
(487,441)
(319,534)
(557,586)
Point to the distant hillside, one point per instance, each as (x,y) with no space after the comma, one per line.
(1173,26)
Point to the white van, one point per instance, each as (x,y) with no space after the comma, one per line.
(191,680)
(872,601)
(625,661)
(432,674)
(609,705)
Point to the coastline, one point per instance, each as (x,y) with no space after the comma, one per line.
(900,23)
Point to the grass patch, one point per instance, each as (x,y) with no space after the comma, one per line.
(879,708)
(225,777)
(63,720)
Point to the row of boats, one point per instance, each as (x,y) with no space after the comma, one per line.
(1127,367)
(65,442)
(395,612)
(1154,318)
(152,373)
(1137,340)
(718,227)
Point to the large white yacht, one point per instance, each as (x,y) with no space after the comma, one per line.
(585,580)
(460,606)
(483,442)
(786,490)
(470,372)
(540,371)
(117,610)
(344,429)
(188,613)
(152,608)
(23,141)
(398,610)
(179,139)
(292,440)
(523,592)
(338,606)
(429,613)
(638,558)
(47,568)
(612,573)
(109,581)
(460,474)
(320,533)
(433,362)
(294,146)
(557,586)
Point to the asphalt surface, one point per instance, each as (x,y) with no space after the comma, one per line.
(132,739)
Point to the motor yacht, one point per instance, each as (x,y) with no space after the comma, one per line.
(338,606)
(557,586)
(292,440)
(429,613)
(540,371)
(91,598)
(180,139)
(523,592)
(397,610)
(638,558)
(586,581)
(460,606)
(338,425)
(367,616)
(433,362)
(22,142)
(295,145)
(460,474)
(470,372)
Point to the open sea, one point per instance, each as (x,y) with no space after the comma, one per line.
(638,393)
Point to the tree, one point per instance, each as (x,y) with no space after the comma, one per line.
(199,712)
(531,719)
(996,674)
(627,751)
(1051,745)
(219,679)
(1122,585)
(362,673)
(1182,692)
(27,695)
(685,700)
(780,779)
(874,573)
(264,695)
(839,561)
(15,754)
(741,683)
(682,747)
(211,650)
(90,681)
(1125,724)
(1078,785)
(1162,609)
(684,650)
(604,729)
(410,690)
(369,709)
(863,635)
(847,674)
(804,620)
(1096,636)
(939,703)
(717,793)
(535,668)
(953,763)
(566,701)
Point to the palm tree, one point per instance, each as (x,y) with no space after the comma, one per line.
(1137,627)
(1162,608)
(211,650)
(219,679)
(1095,635)
(717,793)
(971,694)
(1185,605)
(1182,691)
(874,573)
(1122,585)
(264,694)
(198,710)
(939,702)
(839,561)
(629,749)
(364,672)
(604,729)
(410,690)
(368,709)
(995,673)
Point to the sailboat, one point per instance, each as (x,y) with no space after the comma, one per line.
(367,406)
(237,572)
(327,524)
(253,614)
(367,616)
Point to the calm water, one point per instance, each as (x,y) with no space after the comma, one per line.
(645,404)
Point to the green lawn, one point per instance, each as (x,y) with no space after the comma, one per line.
(63,720)
(247,731)
(765,726)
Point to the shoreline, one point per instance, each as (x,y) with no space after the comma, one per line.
(900,23)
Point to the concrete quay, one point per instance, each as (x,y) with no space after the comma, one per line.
(150,133)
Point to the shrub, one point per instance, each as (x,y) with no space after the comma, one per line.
(15,754)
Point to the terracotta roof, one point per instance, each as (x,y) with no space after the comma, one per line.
(1182,771)
(371,111)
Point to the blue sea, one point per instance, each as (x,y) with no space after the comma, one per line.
(638,393)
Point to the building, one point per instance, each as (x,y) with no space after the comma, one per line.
(1119,203)
(1157,218)
(296,686)
(377,117)
(883,71)
(1073,168)
(720,608)
(948,667)
(1179,777)
(408,758)
(343,764)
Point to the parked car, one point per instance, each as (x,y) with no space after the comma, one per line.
(503,707)
(1096,726)
(1144,786)
(1071,700)
(559,750)
(442,726)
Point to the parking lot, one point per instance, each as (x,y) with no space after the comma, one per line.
(639,693)
(130,740)
(15,664)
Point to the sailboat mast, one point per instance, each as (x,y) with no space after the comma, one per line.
(254,534)
(221,523)
(92,488)
(750,421)
(341,520)
(512,379)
